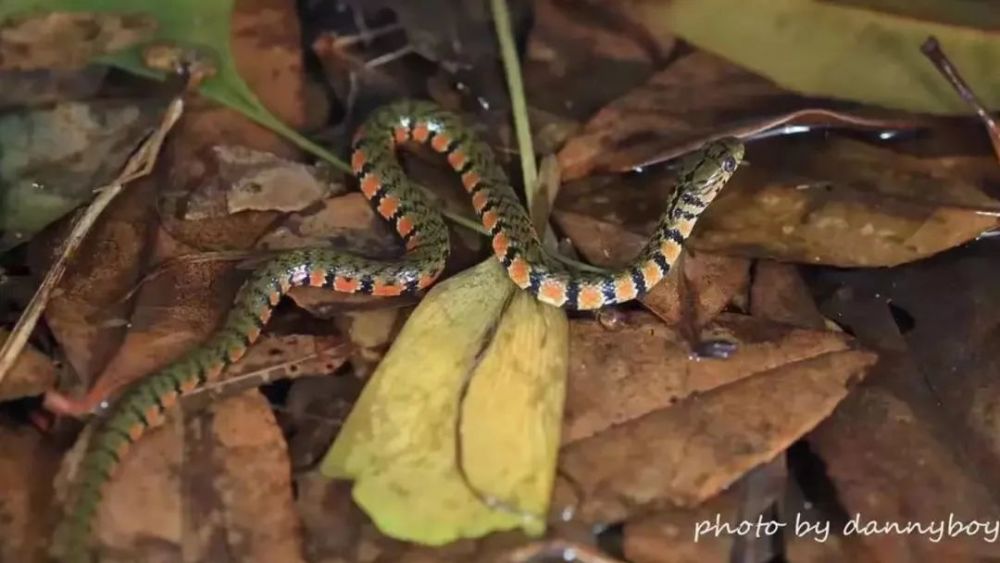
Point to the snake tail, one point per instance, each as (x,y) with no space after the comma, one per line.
(399,201)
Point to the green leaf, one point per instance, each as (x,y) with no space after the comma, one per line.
(203,25)
(866,51)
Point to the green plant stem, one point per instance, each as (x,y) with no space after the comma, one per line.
(512,68)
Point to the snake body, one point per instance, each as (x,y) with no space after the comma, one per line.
(402,203)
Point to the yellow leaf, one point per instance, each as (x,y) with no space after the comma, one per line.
(862,50)
(478,372)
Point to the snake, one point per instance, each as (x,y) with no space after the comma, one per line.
(401,202)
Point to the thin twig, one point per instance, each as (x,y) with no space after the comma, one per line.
(932,50)
(139,164)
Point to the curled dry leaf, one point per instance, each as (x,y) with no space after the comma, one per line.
(32,374)
(694,100)
(708,284)
(28,463)
(61,40)
(689,452)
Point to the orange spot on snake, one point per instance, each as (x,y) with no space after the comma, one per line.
(518,272)
(489,220)
(123,449)
(413,243)
(500,244)
(235,353)
(370,185)
(625,288)
(470,180)
(420,132)
(590,297)
(388,206)
(479,200)
(385,289)
(345,284)
(264,315)
(317,278)
(168,399)
(401,134)
(426,280)
(358,160)
(440,142)
(670,250)
(211,372)
(457,159)
(253,334)
(404,226)
(136,431)
(154,417)
(273,298)
(188,385)
(651,274)
(553,292)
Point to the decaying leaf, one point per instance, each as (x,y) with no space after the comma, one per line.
(52,159)
(28,464)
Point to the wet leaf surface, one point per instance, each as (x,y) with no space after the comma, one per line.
(698,98)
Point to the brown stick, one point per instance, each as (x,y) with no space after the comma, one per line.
(932,50)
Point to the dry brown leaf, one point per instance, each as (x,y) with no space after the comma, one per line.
(918,442)
(889,466)
(779,294)
(850,212)
(28,463)
(249,514)
(84,313)
(698,98)
(667,536)
(710,281)
(32,374)
(624,374)
(569,46)
(259,181)
(689,452)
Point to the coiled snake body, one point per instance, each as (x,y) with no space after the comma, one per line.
(425,235)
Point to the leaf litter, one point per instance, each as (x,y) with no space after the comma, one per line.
(656,436)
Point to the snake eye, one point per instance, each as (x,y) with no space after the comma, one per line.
(729,164)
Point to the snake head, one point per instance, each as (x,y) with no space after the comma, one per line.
(706,171)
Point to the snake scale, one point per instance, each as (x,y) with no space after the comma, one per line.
(401,202)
